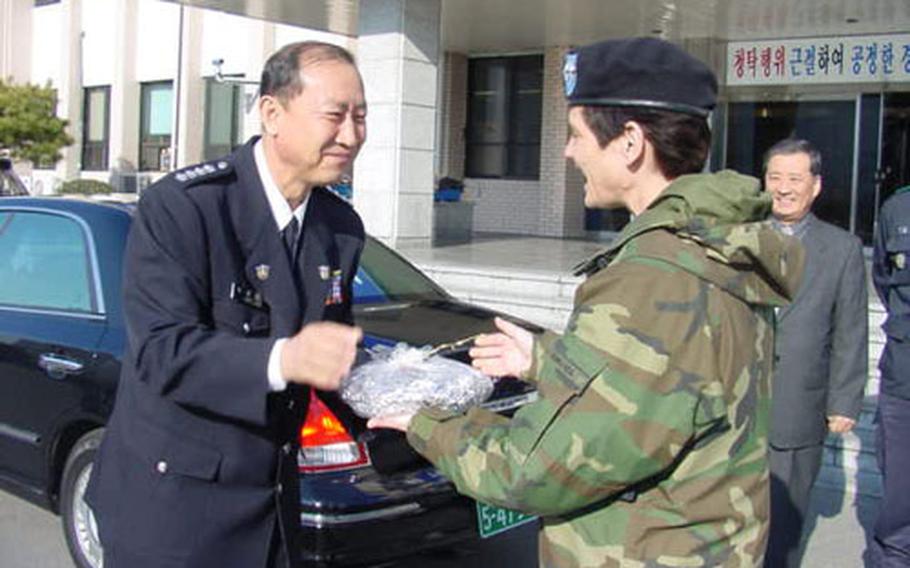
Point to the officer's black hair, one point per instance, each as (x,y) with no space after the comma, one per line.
(281,74)
(681,141)
(789,146)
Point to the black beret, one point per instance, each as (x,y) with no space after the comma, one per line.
(639,72)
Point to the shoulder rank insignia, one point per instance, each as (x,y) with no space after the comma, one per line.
(201,172)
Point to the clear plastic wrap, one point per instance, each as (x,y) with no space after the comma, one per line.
(404,379)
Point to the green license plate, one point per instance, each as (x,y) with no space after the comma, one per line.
(494,520)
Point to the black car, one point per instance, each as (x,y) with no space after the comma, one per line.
(365,495)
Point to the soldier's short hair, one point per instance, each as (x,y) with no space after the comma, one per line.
(281,74)
(681,141)
(789,146)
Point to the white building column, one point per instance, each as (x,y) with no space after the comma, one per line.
(16,40)
(124,126)
(69,92)
(562,210)
(261,39)
(190,104)
(398,55)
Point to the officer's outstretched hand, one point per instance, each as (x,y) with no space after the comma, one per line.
(506,353)
(391,421)
(320,355)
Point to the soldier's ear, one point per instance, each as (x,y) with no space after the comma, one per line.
(633,140)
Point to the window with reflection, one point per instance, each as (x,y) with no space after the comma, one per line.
(754,127)
(156,123)
(44,263)
(504,117)
(223,118)
(96,110)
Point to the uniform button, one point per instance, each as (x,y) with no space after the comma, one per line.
(279,488)
(246,327)
(291,404)
(161,467)
(286,449)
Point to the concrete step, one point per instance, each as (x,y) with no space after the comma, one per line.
(541,298)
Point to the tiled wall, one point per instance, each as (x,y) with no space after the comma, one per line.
(455,113)
(562,208)
(505,206)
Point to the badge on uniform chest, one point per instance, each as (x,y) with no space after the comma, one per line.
(248,296)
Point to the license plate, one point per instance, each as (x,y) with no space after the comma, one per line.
(494,520)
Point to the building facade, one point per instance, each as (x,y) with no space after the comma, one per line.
(455,92)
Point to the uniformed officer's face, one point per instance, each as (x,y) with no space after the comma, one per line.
(602,167)
(792,186)
(319,132)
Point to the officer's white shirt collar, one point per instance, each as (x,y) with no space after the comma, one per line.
(281,211)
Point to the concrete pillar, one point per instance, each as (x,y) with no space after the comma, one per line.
(16,40)
(398,55)
(562,211)
(261,39)
(191,101)
(69,91)
(124,91)
(455,108)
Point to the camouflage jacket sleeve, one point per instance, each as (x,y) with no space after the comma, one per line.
(627,389)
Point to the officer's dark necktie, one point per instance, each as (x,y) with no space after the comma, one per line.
(289,235)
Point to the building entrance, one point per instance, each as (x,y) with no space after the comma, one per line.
(753,127)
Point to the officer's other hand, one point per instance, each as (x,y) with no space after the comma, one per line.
(393,421)
(320,355)
(840,424)
(505,353)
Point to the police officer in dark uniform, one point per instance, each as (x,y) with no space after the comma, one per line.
(891,275)
(237,302)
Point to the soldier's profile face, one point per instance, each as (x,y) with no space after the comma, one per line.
(320,131)
(793,187)
(600,166)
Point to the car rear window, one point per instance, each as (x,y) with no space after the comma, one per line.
(386,277)
(44,262)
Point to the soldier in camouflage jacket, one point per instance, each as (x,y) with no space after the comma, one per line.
(648,443)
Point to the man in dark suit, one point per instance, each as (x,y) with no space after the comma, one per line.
(821,344)
(232,315)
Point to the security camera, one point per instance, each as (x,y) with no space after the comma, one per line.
(218,61)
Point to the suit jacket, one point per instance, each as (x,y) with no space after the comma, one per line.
(822,340)
(199,456)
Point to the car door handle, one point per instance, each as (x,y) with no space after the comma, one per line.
(58,366)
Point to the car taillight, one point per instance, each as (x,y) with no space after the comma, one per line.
(325,444)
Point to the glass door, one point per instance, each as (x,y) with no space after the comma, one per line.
(753,127)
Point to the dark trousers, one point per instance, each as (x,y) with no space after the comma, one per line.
(891,543)
(793,472)
(278,556)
